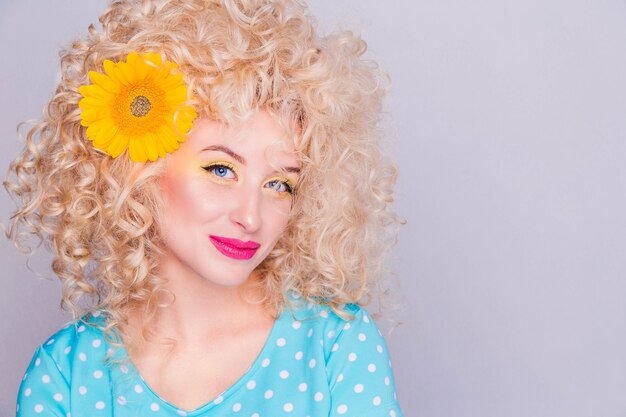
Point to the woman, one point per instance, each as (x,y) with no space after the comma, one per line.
(210,180)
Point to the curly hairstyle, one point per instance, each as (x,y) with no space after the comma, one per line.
(100,216)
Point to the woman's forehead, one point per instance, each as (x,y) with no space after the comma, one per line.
(262,134)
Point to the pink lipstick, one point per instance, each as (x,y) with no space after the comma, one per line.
(234,248)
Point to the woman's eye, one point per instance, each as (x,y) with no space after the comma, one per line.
(221,171)
(279,186)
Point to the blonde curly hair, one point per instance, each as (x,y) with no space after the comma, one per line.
(100,215)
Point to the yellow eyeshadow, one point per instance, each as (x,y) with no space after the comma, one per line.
(226,164)
(287,181)
(218,163)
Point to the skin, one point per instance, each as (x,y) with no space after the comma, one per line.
(247,200)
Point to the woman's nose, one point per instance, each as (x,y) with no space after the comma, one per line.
(246,211)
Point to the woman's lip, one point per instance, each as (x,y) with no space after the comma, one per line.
(240,244)
(238,250)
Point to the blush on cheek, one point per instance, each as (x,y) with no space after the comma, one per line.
(192,198)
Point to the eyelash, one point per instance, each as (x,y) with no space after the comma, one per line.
(210,168)
(290,187)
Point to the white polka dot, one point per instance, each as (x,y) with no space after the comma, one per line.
(324,314)
(82,356)
(138,389)
(82,390)
(371,367)
(255,415)
(181,412)
(251,384)
(97,374)
(100,405)
(38,408)
(342,409)
(237,407)
(358,388)
(312,363)
(218,400)
(59,368)
(335,347)
(309,333)
(24,377)
(67,350)
(96,313)
(299,355)
(302,387)
(296,325)
(154,407)
(68,415)
(268,394)
(49,342)
(37,362)
(379,348)
(265,363)
(387,381)
(121,400)
(376,401)
(284,374)
(96,343)
(362,337)
(346,326)
(392,413)
(352,357)
(281,342)
(366,319)
(27,392)
(318,396)
(288,407)
(339,377)
(81,329)
(58,397)
(45,379)
(124,369)
(322,342)
(331,334)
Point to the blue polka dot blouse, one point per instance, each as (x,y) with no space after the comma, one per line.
(313,364)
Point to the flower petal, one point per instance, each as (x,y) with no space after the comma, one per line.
(105,82)
(118,145)
(135,148)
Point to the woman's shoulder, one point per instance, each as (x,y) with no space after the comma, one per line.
(350,325)
(323,314)
(76,350)
(81,340)
(353,354)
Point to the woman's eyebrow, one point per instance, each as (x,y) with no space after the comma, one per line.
(240,158)
(294,170)
(226,150)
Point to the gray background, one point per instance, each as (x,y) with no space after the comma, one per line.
(509,128)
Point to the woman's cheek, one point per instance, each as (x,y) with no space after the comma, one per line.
(204,199)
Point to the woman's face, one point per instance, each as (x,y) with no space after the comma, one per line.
(228,195)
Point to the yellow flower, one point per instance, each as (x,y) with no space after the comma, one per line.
(139,104)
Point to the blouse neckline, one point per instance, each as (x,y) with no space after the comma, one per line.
(258,363)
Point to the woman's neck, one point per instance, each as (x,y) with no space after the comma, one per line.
(201,309)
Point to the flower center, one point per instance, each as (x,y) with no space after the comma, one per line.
(140,106)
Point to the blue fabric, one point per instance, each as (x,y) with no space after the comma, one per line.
(313,364)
